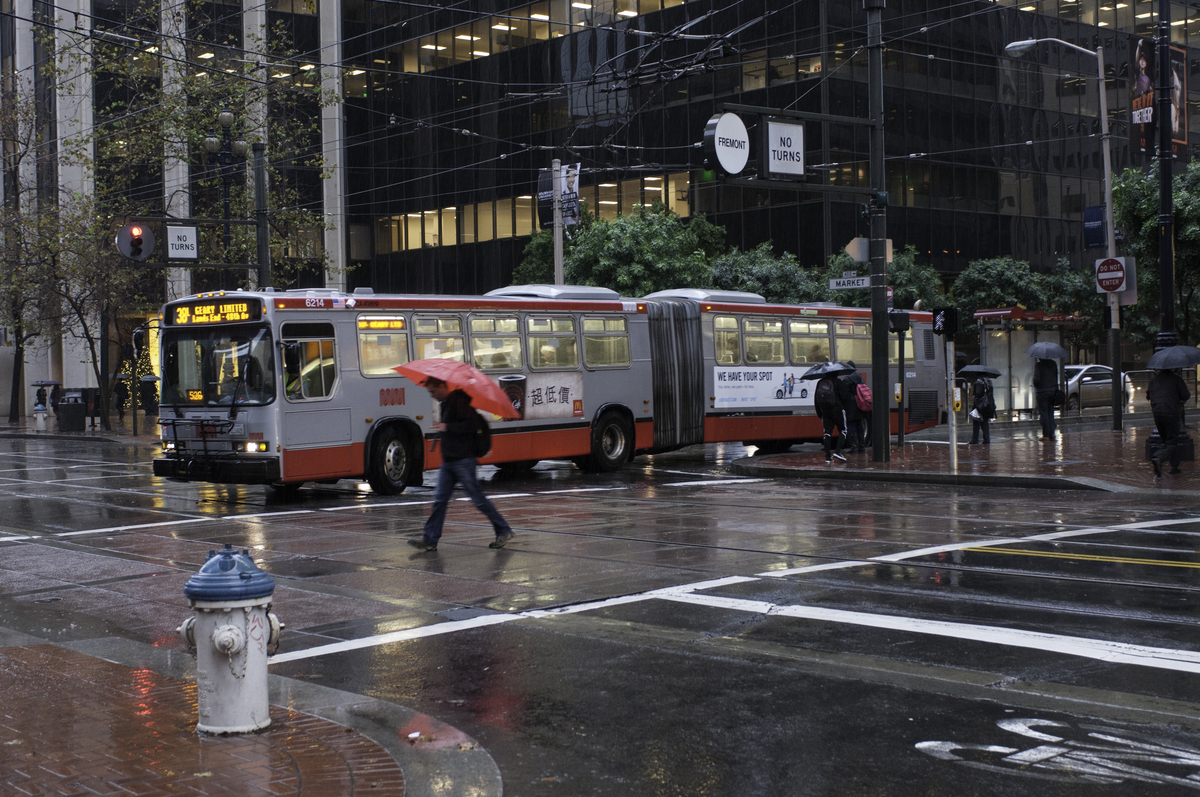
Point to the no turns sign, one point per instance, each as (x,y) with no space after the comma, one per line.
(1110,275)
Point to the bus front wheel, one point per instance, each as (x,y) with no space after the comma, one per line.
(612,440)
(391,461)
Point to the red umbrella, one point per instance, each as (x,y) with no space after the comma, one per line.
(485,394)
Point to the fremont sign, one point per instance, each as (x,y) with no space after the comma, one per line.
(726,140)
(1110,275)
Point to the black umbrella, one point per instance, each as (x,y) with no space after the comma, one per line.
(1047,350)
(821,370)
(1174,357)
(978,370)
(149,378)
(45,383)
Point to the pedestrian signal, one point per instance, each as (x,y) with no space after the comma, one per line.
(945,320)
(135,241)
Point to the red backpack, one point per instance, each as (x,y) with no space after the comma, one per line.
(862,397)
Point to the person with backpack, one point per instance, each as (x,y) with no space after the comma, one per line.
(984,410)
(853,400)
(462,426)
(828,403)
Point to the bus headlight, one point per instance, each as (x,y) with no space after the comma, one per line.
(257,446)
(168,445)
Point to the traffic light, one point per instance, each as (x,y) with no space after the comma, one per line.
(897,321)
(135,241)
(945,320)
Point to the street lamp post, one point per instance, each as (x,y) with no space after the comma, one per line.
(225,152)
(1017,49)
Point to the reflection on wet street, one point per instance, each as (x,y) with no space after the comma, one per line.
(672,628)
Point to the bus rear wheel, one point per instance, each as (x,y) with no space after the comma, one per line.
(391,462)
(612,440)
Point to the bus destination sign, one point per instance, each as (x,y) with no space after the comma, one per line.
(215,311)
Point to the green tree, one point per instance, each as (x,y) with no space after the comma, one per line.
(997,282)
(537,264)
(911,281)
(778,279)
(1073,292)
(1135,210)
(648,250)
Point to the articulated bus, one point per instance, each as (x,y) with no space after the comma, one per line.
(287,387)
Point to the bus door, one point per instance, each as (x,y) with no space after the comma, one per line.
(317,433)
(678,372)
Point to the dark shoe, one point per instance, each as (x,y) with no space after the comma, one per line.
(1157,467)
(421,545)
(828,458)
(501,539)
(1173,471)
(838,457)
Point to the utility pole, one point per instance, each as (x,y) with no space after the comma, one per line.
(1166,231)
(880,410)
(556,192)
(260,214)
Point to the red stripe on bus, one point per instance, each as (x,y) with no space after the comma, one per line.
(323,463)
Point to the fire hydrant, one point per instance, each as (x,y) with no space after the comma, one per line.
(232,629)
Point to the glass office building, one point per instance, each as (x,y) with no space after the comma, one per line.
(451,113)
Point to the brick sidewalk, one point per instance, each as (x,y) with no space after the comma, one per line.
(71,724)
(1104,456)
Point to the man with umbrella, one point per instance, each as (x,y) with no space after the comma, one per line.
(459,423)
(828,404)
(1168,393)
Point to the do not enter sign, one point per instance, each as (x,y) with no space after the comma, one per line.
(1110,274)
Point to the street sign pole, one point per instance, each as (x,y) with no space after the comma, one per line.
(880,411)
(952,414)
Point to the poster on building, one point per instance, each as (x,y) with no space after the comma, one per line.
(743,387)
(1141,97)
(568,189)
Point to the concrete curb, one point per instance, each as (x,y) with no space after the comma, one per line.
(453,763)
(747,467)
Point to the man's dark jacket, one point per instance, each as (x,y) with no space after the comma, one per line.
(1167,393)
(847,391)
(458,440)
(1045,376)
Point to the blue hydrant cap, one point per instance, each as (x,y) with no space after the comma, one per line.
(229,576)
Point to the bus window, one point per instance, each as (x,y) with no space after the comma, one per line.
(308,360)
(382,344)
(605,342)
(810,341)
(552,342)
(725,340)
(894,350)
(853,342)
(496,343)
(439,338)
(764,340)
(218,366)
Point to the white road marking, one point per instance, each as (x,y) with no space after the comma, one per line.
(712,481)
(1103,650)
(374,506)
(20,539)
(581,490)
(258,515)
(492,619)
(111,529)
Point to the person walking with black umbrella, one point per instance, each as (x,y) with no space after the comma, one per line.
(1167,393)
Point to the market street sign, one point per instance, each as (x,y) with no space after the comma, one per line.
(849,283)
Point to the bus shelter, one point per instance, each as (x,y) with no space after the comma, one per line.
(1004,335)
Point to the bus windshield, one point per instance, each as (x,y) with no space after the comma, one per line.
(217,366)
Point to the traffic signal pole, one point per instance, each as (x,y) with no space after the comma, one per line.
(880,410)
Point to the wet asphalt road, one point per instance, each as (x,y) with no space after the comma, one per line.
(672,629)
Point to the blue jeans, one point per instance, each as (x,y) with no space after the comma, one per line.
(451,473)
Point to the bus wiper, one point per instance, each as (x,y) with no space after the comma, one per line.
(241,381)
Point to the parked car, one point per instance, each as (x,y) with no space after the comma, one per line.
(1091,386)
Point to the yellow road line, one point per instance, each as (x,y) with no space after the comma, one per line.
(1089,557)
